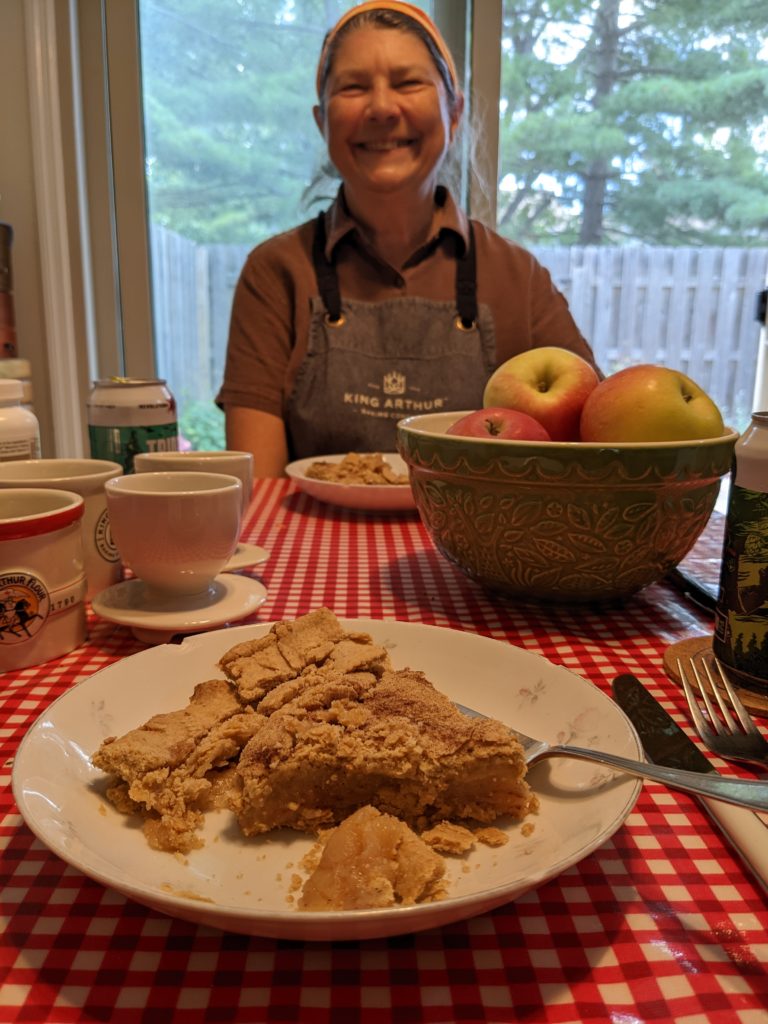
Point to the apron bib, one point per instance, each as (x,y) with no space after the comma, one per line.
(369,364)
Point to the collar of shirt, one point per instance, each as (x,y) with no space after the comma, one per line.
(447,219)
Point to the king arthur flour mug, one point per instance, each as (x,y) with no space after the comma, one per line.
(85,477)
(42,576)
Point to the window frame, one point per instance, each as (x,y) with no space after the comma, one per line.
(114,146)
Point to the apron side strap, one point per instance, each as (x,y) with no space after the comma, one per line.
(466,284)
(327,279)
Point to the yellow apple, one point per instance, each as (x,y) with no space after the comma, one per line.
(649,403)
(549,383)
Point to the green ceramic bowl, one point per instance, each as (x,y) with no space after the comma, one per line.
(561,521)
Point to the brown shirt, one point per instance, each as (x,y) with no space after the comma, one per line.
(271,308)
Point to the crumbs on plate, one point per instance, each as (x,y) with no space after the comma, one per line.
(356,468)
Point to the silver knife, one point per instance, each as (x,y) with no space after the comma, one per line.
(667,744)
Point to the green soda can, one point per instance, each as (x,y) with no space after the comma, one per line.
(128,415)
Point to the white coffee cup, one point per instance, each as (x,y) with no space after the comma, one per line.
(174,530)
(87,478)
(42,575)
(239,464)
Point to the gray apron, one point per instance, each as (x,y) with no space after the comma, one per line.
(369,364)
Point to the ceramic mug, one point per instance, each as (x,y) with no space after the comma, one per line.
(233,463)
(42,575)
(87,478)
(175,531)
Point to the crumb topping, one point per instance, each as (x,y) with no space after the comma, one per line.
(357,468)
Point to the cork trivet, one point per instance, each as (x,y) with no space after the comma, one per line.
(700,647)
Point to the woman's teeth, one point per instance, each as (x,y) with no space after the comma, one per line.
(383,147)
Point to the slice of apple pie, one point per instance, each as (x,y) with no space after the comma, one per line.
(311,724)
(350,731)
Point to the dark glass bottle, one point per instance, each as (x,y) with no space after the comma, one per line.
(8,348)
(741,616)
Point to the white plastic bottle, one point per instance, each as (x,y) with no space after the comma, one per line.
(19,429)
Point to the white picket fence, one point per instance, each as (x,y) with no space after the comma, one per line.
(693,309)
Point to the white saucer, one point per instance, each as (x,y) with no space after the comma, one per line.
(154,621)
(246,555)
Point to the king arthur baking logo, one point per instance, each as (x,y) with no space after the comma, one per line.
(393,398)
(394,383)
(24,607)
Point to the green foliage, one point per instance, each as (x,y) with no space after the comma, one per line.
(202,424)
(644,126)
(228,89)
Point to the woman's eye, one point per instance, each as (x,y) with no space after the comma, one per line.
(347,87)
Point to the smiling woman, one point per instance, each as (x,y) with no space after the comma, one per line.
(392,301)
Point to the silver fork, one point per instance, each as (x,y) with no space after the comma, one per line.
(743,793)
(720,732)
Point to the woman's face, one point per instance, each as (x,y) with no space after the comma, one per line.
(386,120)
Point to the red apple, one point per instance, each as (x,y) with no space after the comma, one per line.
(506,424)
(649,403)
(549,383)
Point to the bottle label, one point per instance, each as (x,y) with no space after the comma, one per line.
(19,448)
(121,444)
(741,617)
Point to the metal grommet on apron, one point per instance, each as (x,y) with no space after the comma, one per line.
(369,364)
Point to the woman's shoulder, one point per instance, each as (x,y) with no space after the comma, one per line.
(285,248)
(490,244)
(284,260)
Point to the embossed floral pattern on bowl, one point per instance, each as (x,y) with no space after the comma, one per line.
(569,522)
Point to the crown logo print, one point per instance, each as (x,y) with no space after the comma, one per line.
(394,383)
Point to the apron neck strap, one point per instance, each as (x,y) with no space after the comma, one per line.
(466,283)
(328,279)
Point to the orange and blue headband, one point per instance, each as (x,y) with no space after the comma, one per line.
(401,8)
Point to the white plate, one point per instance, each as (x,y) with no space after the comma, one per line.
(245,556)
(368,497)
(153,621)
(242,885)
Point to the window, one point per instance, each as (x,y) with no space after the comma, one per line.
(634,161)
(624,142)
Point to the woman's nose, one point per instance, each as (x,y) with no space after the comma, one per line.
(382,101)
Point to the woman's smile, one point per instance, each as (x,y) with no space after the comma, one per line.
(383,145)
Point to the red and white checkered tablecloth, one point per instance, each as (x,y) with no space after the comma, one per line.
(661,923)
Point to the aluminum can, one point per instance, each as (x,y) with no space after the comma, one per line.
(741,616)
(128,415)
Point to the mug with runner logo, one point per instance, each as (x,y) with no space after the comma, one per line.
(42,576)
(87,478)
